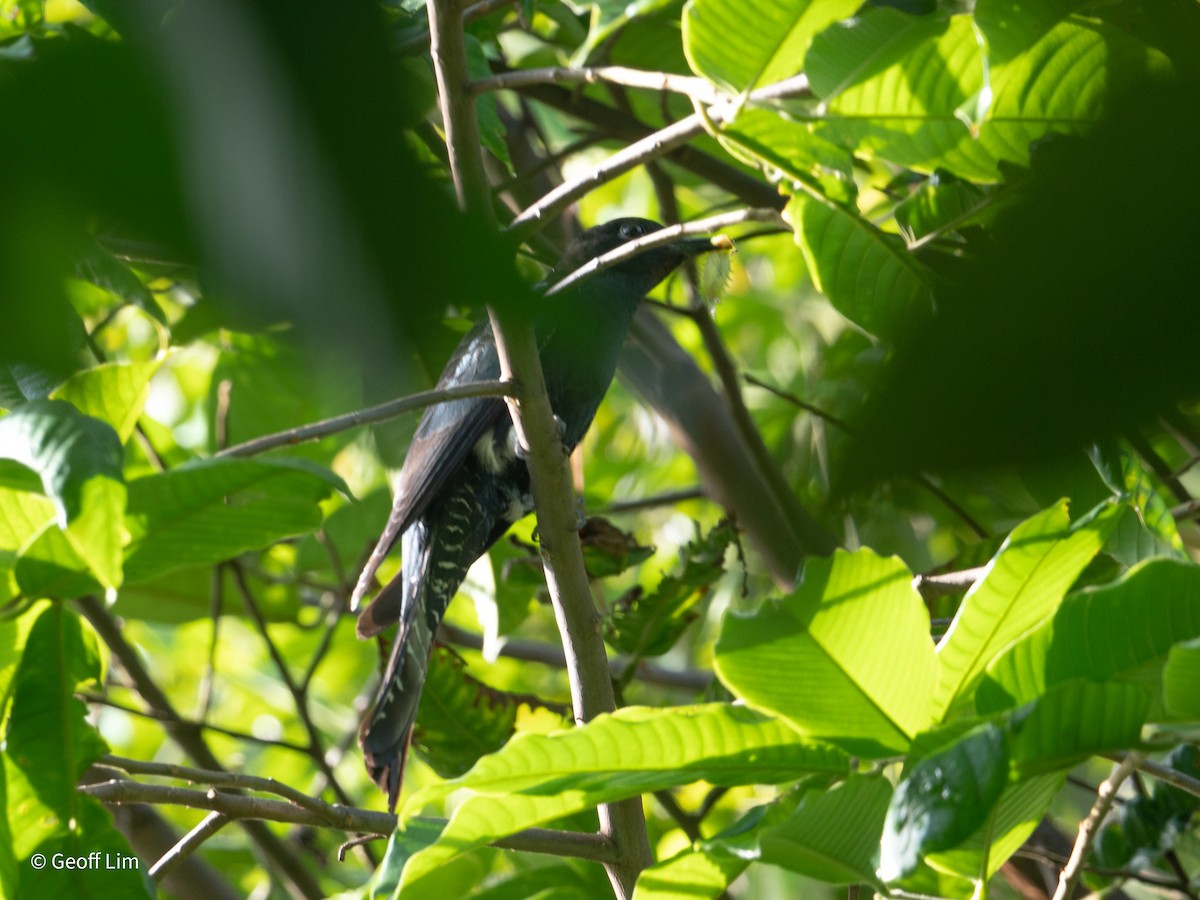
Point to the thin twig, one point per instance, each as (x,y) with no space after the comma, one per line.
(189,738)
(551,655)
(241,806)
(698,89)
(367,416)
(346,818)
(1072,871)
(299,697)
(947,582)
(650,147)
(1173,777)
(192,724)
(188,844)
(667,235)
(666,498)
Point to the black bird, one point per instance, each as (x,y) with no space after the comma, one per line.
(463,483)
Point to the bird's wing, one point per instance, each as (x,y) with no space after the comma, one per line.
(442,441)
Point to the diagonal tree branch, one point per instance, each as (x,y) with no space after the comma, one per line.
(189,739)
(622,824)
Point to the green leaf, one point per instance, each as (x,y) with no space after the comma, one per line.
(535,779)
(942,800)
(23,515)
(460,718)
(742,43)
(1181,681)
(607,17)
(650,624)
(79,460)
(922,93)
(14,634)
(694,874)
(833,835)
(113,392)
(789,149)
(1123,630)
(214,509)
(48,566)
(1014,818)
(942,203)
(491,128)
(50,742)
(854,626)
(868,276)
(1024,584)
(1075,720)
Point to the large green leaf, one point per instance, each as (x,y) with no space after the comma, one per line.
(742,43)
(833,835)
(868,276)
(1024,584)
(787,148)
(846,658)
(1181,681)
(943,799)
(215,509)
(460,718)
(1123,630)
(49,745)
(114,393)
(23,515)
(535,779)
(79,460)
(966,93)
(1015,816)
(1075,720)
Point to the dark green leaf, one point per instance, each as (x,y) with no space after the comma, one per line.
(942,800)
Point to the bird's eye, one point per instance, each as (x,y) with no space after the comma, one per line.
(630,230)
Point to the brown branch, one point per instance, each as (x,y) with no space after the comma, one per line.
(551,655)
(579,624)
(624,127)
(1088,828)
(380,413)
(352,819)
(188,844)
(189,739)
(299,697)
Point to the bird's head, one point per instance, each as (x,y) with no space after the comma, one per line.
(646,269)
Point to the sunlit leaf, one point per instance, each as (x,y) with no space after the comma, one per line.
(856,627)
(1024,583)
(743,43)
(536,778)
(1123,630)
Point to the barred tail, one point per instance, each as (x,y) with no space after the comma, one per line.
(387,730)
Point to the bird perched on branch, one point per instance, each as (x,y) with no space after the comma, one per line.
(464,482)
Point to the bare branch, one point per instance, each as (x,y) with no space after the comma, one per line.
(667,235)
(1173,777)
(188,737)
(699,89)
(380,413)
(188,844)
(1105,795)
(650,147)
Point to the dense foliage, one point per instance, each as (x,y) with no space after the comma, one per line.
(956,343)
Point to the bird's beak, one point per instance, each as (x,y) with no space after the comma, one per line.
(694,246)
